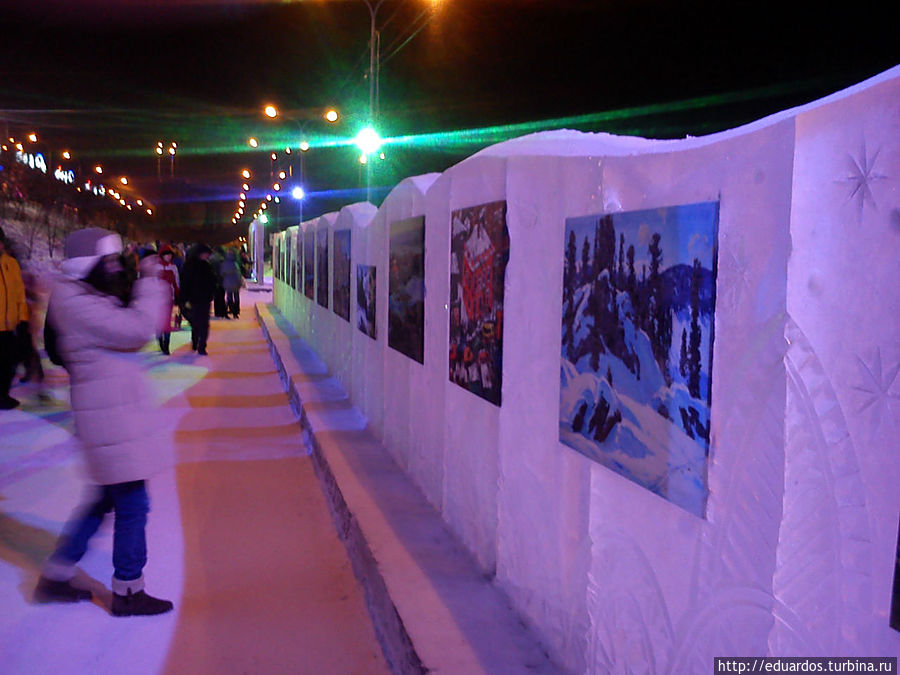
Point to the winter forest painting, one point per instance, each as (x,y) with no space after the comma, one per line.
(479,251)
(322,267)
(406,288)
(365,299)
(309,256)
(638,312)
(341,294)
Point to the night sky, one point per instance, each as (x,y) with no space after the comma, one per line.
(108,79)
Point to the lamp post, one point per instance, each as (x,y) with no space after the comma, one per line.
(331,116)
(373,60)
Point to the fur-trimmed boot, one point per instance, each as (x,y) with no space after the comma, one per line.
(129,599)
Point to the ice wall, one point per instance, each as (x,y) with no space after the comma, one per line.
(838,535)
(795,550)
(367,367)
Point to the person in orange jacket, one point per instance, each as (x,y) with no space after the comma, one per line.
(13,313)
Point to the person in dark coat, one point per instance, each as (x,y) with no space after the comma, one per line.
(232,280)
(198,286)
(220,308)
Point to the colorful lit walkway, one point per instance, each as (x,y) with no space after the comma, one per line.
(240,536)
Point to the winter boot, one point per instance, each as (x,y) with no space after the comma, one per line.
(48,590)
(129,599)
(139,604)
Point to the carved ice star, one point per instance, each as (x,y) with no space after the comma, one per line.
(861,176)
(876,386)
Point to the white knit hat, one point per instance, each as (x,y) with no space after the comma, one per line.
(85,247)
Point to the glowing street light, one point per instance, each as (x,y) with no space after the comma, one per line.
(304,146)
(271,111)
(253,142)
(298,193)
(32,137)
(331,115)
(123,180)
(149,212)
(276,187)
(98,169)
(246,173)
(67,154)
(245,187)
(368,140)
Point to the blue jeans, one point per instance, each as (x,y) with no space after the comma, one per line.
(131,505)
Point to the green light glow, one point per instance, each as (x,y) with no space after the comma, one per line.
(229,134)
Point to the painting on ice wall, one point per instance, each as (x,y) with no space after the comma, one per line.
(322,267)
(341,282)
(638,315)
(479,251)
(298,260)
(406,288)
(309,257)
(365,299)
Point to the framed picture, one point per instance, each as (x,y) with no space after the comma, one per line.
(479,251)
(406,288)
(341,281)
(638,318)
(309,262)
(322,267)
(365,299)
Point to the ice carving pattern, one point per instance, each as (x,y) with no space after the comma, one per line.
(861,176)
(877,389)
(631,624)
(822,581)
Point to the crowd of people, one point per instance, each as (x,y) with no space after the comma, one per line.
(106,305)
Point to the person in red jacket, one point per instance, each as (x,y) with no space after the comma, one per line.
(13,318)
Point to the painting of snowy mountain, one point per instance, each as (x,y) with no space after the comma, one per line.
(406,288)
(341,294)
(479,251)
(638,316)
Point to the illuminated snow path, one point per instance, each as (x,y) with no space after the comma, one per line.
(239,535)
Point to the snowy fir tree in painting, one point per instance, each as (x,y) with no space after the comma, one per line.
(638,313)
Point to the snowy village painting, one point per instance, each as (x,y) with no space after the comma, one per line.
(638,312)
(479,251)
(309,255)
(406,288)
(322,267)
(341,293)
(365,299)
